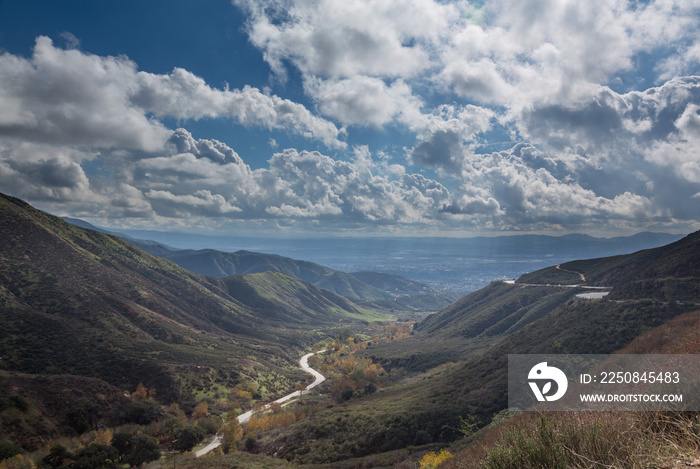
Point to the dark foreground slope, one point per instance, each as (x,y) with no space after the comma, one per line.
(79,302)
(501,319)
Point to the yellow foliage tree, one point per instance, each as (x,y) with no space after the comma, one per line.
(141,392)
(201,410)
(432,460)
(18,462)
(177,412)
(104,437)
(232,434)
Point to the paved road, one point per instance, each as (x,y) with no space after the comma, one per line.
(243,418)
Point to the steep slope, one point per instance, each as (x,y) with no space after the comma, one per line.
(495,310)
(221,264)
(678,260)
(280,297)
(80,302)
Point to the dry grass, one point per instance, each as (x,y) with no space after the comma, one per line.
(633,440)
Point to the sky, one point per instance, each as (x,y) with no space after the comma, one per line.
(363,117)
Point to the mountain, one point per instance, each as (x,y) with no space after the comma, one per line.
(287,299)
(80,302)
(393,284)
(376,286)
(671,271)
(667,273)
(457,359)
(387,291)
(447,264)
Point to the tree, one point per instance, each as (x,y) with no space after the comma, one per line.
(188,437)
(232,435)
(58,457)
(201,410)
(95,456)
(8,449)
(141,392)
(104,437)
(123,443)
(83,415)
(143,449)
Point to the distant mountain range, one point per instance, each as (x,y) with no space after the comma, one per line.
(446,264)
(394,291)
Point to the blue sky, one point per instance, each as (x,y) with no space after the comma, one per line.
(411,117)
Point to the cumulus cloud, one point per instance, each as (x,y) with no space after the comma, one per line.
(184,95)
(68,97)
(339,39)
(551,78)
(364,100)
(311,184)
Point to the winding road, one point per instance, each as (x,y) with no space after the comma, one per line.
(581,276)
(243,418)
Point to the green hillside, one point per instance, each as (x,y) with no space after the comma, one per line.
(279,297)
(75,301)
(365,286)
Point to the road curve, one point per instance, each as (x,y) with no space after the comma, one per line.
(243,418)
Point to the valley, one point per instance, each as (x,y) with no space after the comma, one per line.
(106,338)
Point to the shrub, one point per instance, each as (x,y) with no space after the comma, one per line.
(432,460)
(188,437)
(562,443)
(143,449)
(8,449)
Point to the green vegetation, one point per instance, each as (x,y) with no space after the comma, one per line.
(360,286)
(112,356)
(79,302)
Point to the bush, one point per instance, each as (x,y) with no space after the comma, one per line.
(188,437)
(432,460)
(143,449)
(562,444)
(140,412)
(83,415)
(123,443)
(8,449)
(56,457)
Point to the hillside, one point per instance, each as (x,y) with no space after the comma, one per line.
(80,302)
(365,286)
(643,274)
(473,338)
(288,300)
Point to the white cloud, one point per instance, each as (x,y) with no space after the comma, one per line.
(187,96)
(363,100)
(68,97)
(88,130)
(339,39)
